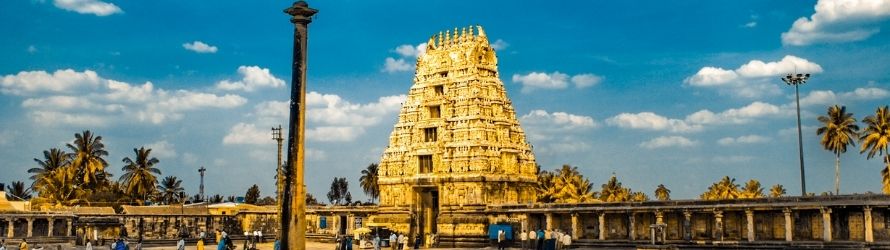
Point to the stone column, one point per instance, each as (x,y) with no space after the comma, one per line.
(549,219)
(869,230)
(602,225)
(30,227)
(718,225)
(789,227)
(659,220)
(68,229)
(826,224)
(687,225)
(631,229)
(749,215)
(10,232)
(293,210)
(576,231)
(51,221)
(659,217)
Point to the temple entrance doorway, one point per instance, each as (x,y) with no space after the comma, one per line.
(427,214)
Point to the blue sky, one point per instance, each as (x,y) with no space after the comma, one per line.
(674,93)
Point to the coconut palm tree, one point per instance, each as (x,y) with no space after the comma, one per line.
(59,189)
(838,130)
(139,177)
(639,196)
(724,189)
(751,190)
(545,186)
(170,190)
(88,164)
(569,186)
(54,160)
(368,181)
(612,191)
(18,191)
(777,191)
(875,138)
(662,193)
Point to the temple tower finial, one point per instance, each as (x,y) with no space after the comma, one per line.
(481,31)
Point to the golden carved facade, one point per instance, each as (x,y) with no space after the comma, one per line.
(457,137)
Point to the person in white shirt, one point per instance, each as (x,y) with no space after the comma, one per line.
(180,245)
(523,237)
(393,241)
(566,240)
(401,241)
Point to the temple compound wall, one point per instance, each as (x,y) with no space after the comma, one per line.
(457,145)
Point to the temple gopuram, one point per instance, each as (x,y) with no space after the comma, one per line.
(457,146)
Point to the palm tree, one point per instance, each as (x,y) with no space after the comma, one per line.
(777,191)
(639,196)
(58,189)
(368,181)
(569,186)
(139,178)
(54,160)
(86,158)
(751,190)
(875,139)
(545,185)
(170,190)
(838,130)
(613,191)
(18,191)
(724,189)
(662,193)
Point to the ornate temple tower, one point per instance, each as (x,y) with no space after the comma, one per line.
(457,145)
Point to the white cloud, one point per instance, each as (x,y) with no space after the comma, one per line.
(392,65)
(668,141)
(94,7)
(330,118)
(243,133)
(88,99)
(60,81)
(651,121)
(556,132)
(315,154)
(555,80)
(838,21)
(162,149)
(696,121)
(745,139)
(586,80)
(499,44)
(200,47)
(732,159)
(32,49)
(253,78)
(753,79)
(408,50)
(828,97)
(750,24)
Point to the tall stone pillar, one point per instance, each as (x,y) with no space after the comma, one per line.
(631,228)
(687,225)
(68,229)
(826,224)
(10,232)
(749,216)
(602,225)
(30,227)
(549,221)
(718,225)
(293,207)
(869,230)
(789,226)
(51,221)
(576,230)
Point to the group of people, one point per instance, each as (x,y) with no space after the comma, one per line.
(397,242)
(537,239)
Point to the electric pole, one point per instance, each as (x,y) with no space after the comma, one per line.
(201,188)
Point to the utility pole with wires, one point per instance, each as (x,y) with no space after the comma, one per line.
(201,188)
(279,177)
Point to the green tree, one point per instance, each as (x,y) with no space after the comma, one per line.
(612,191)
(875,139)
(253,195)
(662,193)
(725,189)
(777,191)
(215,199)
(751,190)
(545,185)
(339,192)
(139,179)
(838,130)
(639,196)
(88,164)
(18,191)
(170,190)
(569,186)
(59,190)
(54,160)
(310,200)
(368,181)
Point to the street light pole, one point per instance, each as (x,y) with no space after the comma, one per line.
(796,80)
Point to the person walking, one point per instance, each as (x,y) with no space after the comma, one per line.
(401,241)
(139,244)
(523,237)
(24,245)
(89,245)
(221,244)
(393,241)
(218,236)
(260,233)
(200,244)
(180,245)
(2,244)
(540,237)
(502,239)
(277,245)
(376,242)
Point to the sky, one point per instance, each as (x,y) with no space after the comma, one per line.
(656,92)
